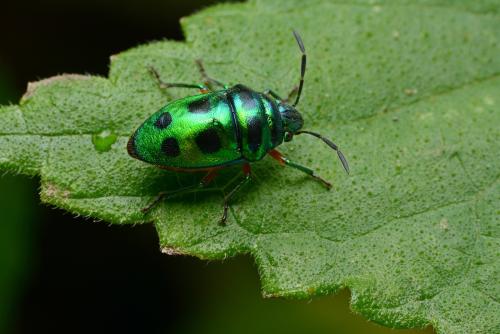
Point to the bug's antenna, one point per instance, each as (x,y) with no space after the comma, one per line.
(329,143)
(302,66)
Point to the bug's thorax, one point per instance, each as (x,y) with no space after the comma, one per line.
(291,118)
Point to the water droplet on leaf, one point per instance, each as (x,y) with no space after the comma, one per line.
(103,140)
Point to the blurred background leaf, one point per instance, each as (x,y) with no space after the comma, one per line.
(18,198)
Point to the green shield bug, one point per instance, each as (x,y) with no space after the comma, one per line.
(220,128)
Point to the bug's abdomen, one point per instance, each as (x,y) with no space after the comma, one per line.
(258,122)
(190,133)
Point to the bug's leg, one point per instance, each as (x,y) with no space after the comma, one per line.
(247,172)
(285,161)
(273,94)
(164,85)
(168,194)
(208,80)
(276,96)
(291,94)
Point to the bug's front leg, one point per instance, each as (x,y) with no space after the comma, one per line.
(292,93)
(247,172)
(285,161)
(277,97)
(169,194)
(273,94)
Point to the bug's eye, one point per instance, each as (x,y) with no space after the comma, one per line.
(288,136)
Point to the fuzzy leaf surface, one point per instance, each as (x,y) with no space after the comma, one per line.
(408,89)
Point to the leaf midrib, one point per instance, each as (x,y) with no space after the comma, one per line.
(389,111)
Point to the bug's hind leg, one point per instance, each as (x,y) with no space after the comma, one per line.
(165,85)
(169,194)
(285,161)
(247,172)
(208,80)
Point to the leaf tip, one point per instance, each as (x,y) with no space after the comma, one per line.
(33,86)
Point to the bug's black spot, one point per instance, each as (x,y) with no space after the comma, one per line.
(163,121)
(254,133)
(208,141)
(248,99)
(170,147)
(131,149)
(200,106)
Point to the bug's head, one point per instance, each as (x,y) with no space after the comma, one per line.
(291,118)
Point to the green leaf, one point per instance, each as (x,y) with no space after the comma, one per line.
(408,89)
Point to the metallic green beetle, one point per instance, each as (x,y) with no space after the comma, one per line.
(221,128)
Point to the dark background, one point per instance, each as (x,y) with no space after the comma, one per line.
(64,274)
